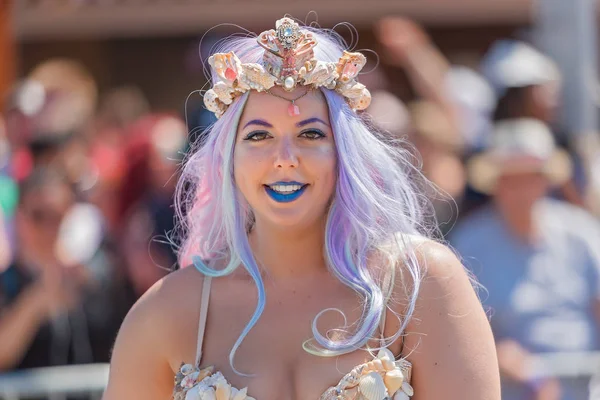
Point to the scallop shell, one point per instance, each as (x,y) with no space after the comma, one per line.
(372,387)
(393,380)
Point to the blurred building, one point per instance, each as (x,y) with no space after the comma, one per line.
(154,43)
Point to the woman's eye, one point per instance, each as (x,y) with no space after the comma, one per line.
(256,136)
(312,134)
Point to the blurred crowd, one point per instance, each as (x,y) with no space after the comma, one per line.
(86,187)
(87,183)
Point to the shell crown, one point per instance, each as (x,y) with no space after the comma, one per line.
(288,61)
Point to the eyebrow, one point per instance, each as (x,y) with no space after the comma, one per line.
(310,121)
(258,122)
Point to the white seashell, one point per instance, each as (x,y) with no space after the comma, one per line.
(372,387)
(189,381)
(187,369)
(208,394)
(393,380)
(406,388)
(377,365)
(239,394)
(385,354)
(400,395)
(388,365)
(192,395)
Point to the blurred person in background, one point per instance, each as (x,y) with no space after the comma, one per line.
(119,109)
(59,303)
(154,151)
(425,126)
(438,127)
(5,248)
(8,199)
(538,258)
(408,47)
(48,120)
(528,85)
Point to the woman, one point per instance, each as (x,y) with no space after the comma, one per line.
(305,228)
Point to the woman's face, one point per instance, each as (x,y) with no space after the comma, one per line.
(285,166)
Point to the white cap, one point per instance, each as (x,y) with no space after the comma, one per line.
(513,64)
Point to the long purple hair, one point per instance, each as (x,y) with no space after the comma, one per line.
(376,208)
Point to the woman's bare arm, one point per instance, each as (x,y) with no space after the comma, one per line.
(139,366)
(19,324)
(449,339)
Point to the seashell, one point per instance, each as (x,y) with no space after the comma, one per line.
(203,373)
(320,74)
(193,394)
(349,65)
(222,391)
(330,394)
(370,366)
(393,380)
(239,394)
(377,365)
(407,388)
(255,74)
(190,380)
(372,387)
(351,393)
(208,394)
(385,354)
(388,365)
(226,65)
(187,369)
(400,395)
(347,381)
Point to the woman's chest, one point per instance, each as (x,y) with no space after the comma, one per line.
(272,352)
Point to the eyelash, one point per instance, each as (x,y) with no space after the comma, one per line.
(320,134)
(252,136)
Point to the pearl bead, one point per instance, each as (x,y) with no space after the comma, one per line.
(289,82)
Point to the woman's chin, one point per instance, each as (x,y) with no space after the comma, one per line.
(288,219)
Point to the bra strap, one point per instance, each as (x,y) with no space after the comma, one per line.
(386,287)
(203,316)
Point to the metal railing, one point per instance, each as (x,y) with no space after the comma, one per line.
(55,383)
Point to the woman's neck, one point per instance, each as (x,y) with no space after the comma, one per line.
(288,253)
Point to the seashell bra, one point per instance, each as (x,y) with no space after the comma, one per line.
(383,378)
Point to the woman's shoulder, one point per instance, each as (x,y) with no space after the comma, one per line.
(431,257)
(448,328)
(172,300)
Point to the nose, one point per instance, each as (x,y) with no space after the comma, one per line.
(286,155)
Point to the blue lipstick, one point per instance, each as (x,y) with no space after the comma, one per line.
(285,197)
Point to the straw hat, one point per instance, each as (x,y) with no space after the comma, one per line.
(519,146)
